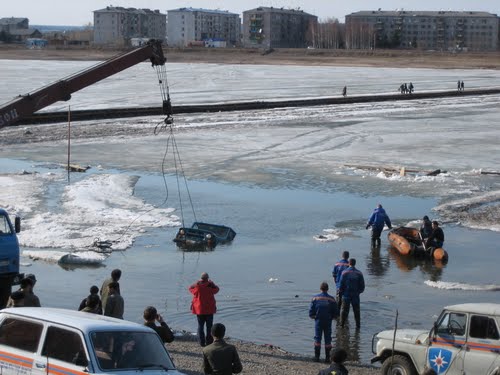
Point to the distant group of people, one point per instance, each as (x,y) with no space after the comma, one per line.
(406,89)
(460,85)
(25,295)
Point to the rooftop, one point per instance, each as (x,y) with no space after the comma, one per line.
(278,10)
(12,20)
(477,308)
(442,13)
(112,9)
(77,319)
(202,10)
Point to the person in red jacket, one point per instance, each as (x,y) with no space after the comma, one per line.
(203,305)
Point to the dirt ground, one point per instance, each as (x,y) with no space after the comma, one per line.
(376,58)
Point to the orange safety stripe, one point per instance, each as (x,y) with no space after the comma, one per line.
(16,359)
(324,299)
(471,345)
(59,370)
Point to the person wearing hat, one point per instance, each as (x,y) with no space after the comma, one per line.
(17,299)
(26,287)
(436,239)
(220,358)
(337,367)
(151,316)
(377,220)
(323,310)
(204,307)
(94,290)
(426,227)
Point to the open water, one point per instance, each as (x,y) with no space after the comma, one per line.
(279,178)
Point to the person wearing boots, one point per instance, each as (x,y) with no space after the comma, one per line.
(352,284)
(377,220)
(339,267)
(323,310)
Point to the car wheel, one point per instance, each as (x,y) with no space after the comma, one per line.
(398,365)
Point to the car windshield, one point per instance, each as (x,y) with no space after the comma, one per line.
(4,226)
(130,350)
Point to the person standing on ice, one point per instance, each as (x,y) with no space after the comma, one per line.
(377,220)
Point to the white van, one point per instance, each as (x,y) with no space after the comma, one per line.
(43,341)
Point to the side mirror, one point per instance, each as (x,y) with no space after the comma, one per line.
(17,224)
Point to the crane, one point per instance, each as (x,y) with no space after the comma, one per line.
(25,105)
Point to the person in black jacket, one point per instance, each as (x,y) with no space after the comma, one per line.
(94,290)
(426,227)
(436,239)
(163,330)
(336,368)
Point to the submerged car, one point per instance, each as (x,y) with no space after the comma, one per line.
(41,341)
(464,340)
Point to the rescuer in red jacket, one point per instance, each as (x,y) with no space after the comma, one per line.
(203,305)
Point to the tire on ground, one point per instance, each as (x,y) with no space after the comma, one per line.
(401,365)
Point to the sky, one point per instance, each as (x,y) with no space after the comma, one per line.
(79,12)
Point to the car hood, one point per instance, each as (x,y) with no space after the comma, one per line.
(405,335)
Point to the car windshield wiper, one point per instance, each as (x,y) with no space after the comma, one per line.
(151,365)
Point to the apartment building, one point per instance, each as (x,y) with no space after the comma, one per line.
(118,25)
(442,30)
(195,26)
(270,27)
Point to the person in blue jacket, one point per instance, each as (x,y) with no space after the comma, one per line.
(339,267)
(377,220)
(323,310)
(352,284)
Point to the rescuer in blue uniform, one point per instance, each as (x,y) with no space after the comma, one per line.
(323,310)
(377,220)
(339,267)
(352,284)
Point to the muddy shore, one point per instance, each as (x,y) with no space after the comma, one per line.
(312,57)
(256,359)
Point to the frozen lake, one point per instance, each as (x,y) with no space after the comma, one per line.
(279,178)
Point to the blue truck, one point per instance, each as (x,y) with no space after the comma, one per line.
(9,256)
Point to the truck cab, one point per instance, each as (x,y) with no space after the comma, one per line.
(465,339)
(9,255)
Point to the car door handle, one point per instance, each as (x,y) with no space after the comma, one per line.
(40,365)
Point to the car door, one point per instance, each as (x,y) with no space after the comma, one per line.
(482,353)
(19,339)
(447,349)
(63,352)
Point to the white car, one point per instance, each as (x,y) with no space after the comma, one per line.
(43,341)
(464,340)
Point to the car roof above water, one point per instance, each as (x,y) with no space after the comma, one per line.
(476,308)
(83,321)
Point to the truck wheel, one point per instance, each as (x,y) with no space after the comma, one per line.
(401,365)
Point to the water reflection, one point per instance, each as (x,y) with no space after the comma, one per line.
(376,264)
(431,267)
(344,340)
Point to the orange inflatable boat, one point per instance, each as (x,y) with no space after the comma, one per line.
(408,242)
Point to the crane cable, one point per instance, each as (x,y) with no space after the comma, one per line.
(167,124)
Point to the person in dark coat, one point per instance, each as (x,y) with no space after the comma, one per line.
(204,306)
(323,310)
(94,290)
(163,330)
(337,367)
(426,227)
(436,239)
(352,284)
(220,358)
(344,91)
(92,305)
(377,220)
(26,287)
(116,274)
(339,267)
(114,303)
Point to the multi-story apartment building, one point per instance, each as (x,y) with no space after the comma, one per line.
(187,26)
(271,27)
(442,30)
(12,24)
(118,25)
